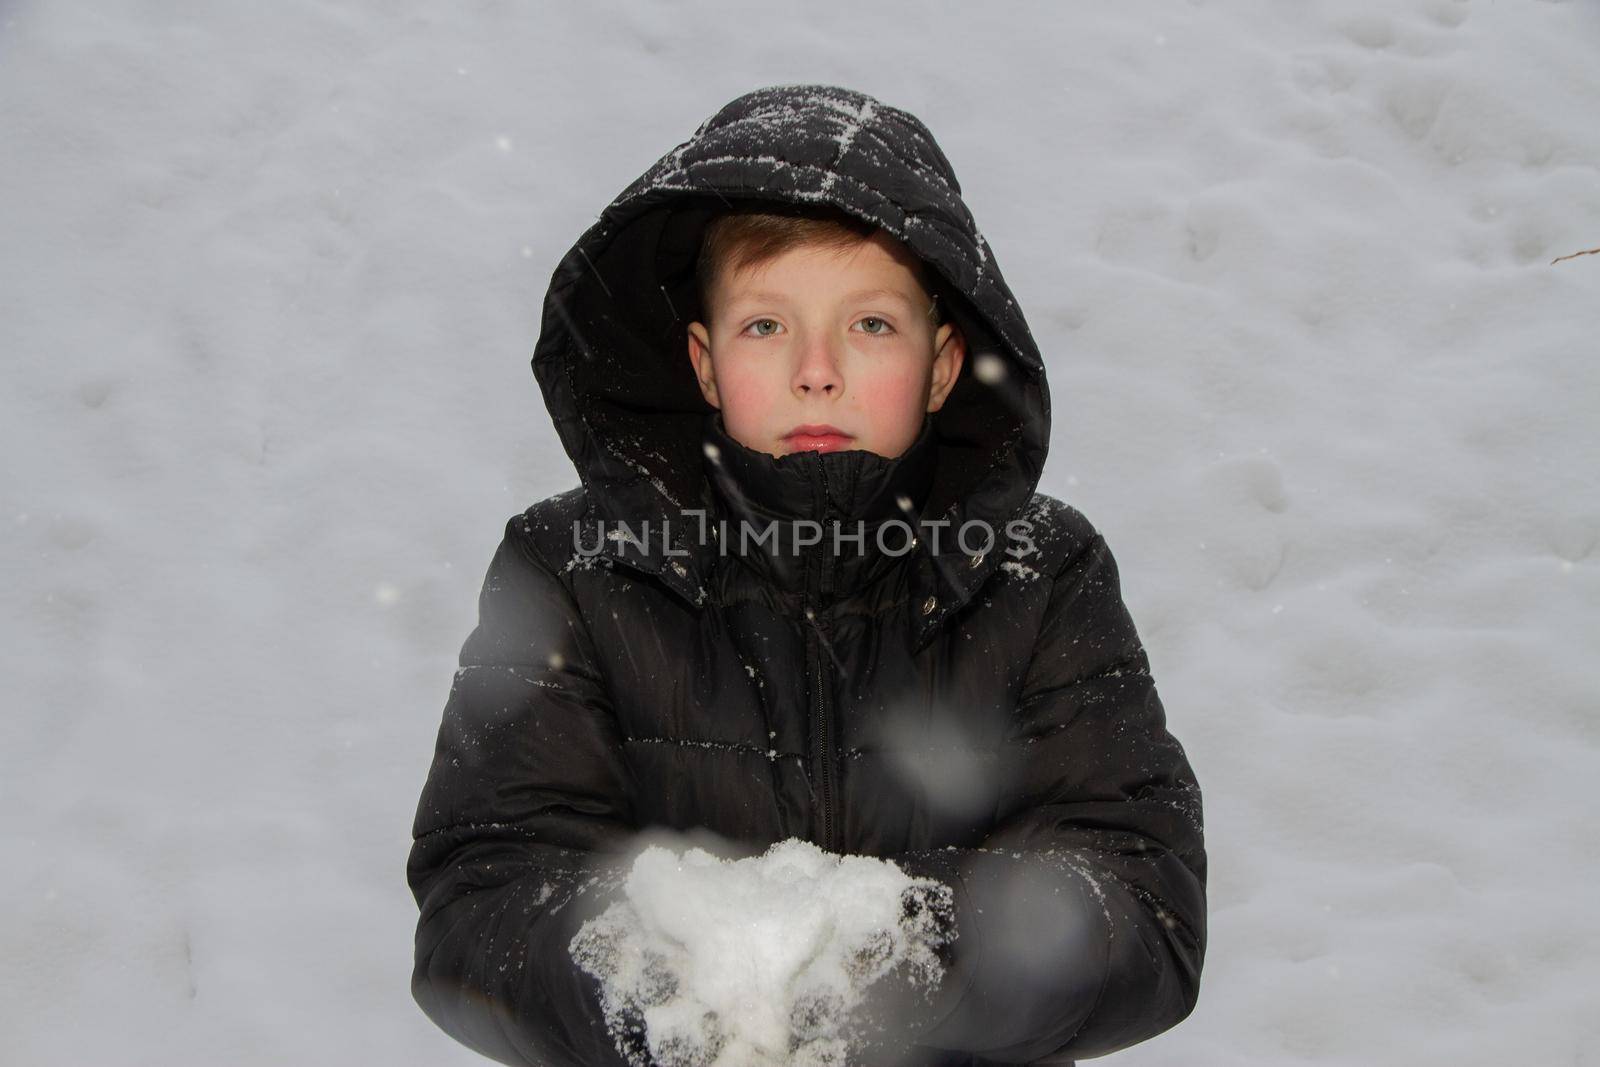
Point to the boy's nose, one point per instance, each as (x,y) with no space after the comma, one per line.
(818,370)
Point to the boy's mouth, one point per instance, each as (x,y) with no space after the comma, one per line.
(817,438)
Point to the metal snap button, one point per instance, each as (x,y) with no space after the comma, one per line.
(929,604)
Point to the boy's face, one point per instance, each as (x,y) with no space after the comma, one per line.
(816,337)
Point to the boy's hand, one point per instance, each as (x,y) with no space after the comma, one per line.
(928,913)
(900,1000)
(698,1047)
(661,983)
(631,1041)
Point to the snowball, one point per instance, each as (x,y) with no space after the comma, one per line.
(754,961)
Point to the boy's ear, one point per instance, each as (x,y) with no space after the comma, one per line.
(949,352)
(700,358)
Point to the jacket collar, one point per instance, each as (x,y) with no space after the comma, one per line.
(854,510)
(848,484)
(682,546)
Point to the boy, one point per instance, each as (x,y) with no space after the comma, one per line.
(947,678)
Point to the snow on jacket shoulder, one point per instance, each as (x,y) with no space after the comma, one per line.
(985,715)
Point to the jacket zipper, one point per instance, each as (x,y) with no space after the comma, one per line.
(822,709)
(824,743)
(822,700)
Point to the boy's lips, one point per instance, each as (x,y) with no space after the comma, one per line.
(817,437)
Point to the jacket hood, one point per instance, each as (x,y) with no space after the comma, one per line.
(612,355)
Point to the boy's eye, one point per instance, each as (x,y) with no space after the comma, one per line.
(871,324)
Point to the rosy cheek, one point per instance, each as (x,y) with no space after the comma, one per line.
(744,391)
(891,389)
(747,401)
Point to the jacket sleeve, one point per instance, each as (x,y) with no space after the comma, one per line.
(1082,915)
(520,826)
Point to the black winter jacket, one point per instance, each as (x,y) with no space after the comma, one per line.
(983,716)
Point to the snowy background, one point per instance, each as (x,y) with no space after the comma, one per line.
(269,282)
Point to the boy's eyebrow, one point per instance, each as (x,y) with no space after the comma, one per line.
(776,298)
(862,294)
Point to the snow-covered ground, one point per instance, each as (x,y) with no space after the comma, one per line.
(269,281)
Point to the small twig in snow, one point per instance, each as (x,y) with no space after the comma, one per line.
(1585,252)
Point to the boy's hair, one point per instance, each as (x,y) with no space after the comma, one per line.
(747,235)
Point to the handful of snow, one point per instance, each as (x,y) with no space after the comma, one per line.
(758,961)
